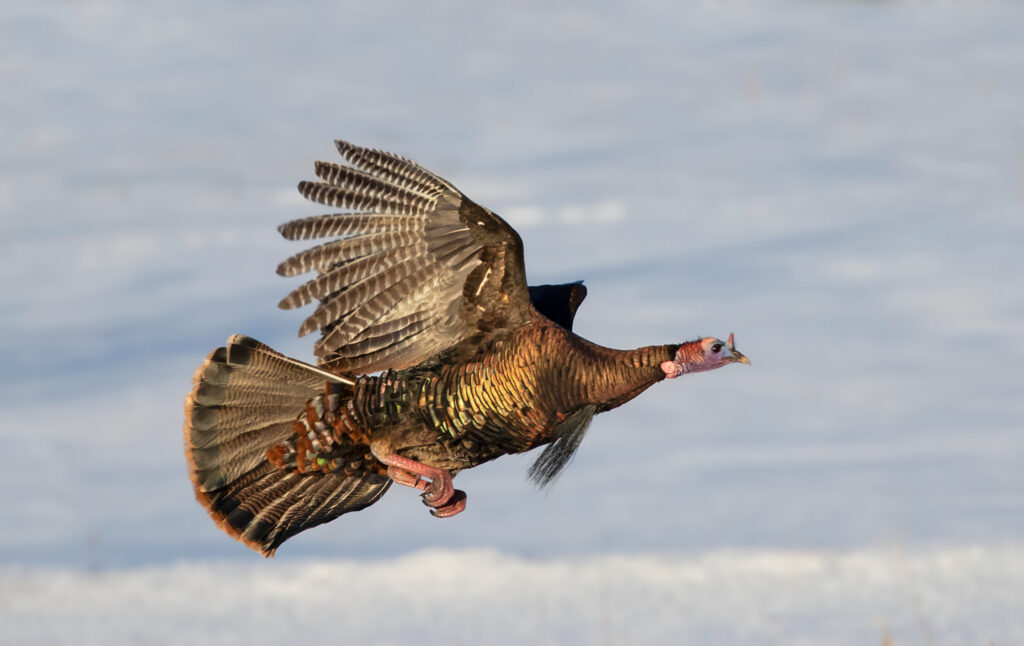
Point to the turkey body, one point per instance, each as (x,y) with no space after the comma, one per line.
(517,393)
(434,357)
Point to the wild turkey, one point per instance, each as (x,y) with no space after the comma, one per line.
(435,356)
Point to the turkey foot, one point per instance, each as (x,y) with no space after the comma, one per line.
(439,493)
(456,505)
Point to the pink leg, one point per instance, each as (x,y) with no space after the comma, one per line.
(403,477)
(439,493)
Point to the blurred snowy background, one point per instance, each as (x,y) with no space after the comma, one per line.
(839,183)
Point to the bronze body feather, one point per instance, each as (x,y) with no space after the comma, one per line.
(435,356)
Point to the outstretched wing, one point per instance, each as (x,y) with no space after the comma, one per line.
(416,266)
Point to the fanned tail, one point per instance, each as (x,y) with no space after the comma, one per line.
(246,401)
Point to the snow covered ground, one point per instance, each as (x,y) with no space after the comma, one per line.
(841,184)
(952,596)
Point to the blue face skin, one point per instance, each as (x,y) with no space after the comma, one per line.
(703,355)
(718,353)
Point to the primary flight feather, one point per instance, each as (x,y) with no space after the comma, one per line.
(434,356)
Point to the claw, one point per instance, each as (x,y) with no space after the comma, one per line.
(455,505)
(439,491)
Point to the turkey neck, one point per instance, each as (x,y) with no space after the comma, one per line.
(609,377)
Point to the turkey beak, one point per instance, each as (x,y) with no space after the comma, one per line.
(739,357)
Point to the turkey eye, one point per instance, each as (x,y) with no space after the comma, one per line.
(716,348)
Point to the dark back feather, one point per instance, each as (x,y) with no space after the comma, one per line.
(558,302)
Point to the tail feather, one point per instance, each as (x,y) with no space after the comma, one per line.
(224,463)
(283,504)
(219,435)
(210,394)
(331,494)
(246,400)
(215,418)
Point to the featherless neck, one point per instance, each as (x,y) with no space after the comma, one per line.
(690,356)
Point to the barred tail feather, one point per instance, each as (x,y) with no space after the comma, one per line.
(245,399)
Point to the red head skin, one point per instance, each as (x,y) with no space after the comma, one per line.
(702,355)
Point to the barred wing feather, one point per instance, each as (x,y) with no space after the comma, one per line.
(416,267)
